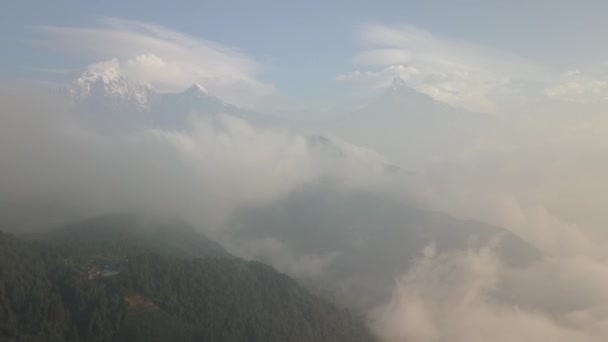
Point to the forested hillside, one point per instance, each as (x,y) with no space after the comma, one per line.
(122,233)
(51,292)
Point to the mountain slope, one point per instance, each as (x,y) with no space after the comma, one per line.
(121,233)
(111,98)
(412,127)
(367,239)
(46,295)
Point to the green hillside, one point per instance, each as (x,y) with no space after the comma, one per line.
(126,232)
(49,293)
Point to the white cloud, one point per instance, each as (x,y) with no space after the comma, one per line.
(457,297)
(168,59)
(580,87)
(458,73)
(281,256)
(550,196)
(202,172)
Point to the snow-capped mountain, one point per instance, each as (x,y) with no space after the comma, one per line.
(194,99)
(401,99)
(413,127)
(107,87)
(110,96)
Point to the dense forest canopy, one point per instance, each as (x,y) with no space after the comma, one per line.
(49,291)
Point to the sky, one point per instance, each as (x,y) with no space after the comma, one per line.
(302,50)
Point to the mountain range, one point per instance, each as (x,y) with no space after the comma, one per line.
(362,230)
(114,98)
(415,127)
(347,244)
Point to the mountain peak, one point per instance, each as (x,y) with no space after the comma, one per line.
(104,80)
(398,83)
(400,91)
(399,87)
(197,90)
(103,87)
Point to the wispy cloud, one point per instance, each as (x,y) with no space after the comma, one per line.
(168,59)
(459,73)
(580,87)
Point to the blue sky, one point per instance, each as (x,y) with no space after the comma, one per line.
(301,48)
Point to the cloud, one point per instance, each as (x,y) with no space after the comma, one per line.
(456,297)
(542,177)
(461,74)
(524,189)
(580,87)
(202,172)
(273,251)
(169,60)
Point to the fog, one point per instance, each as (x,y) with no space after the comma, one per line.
(335,206)
(53,155)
